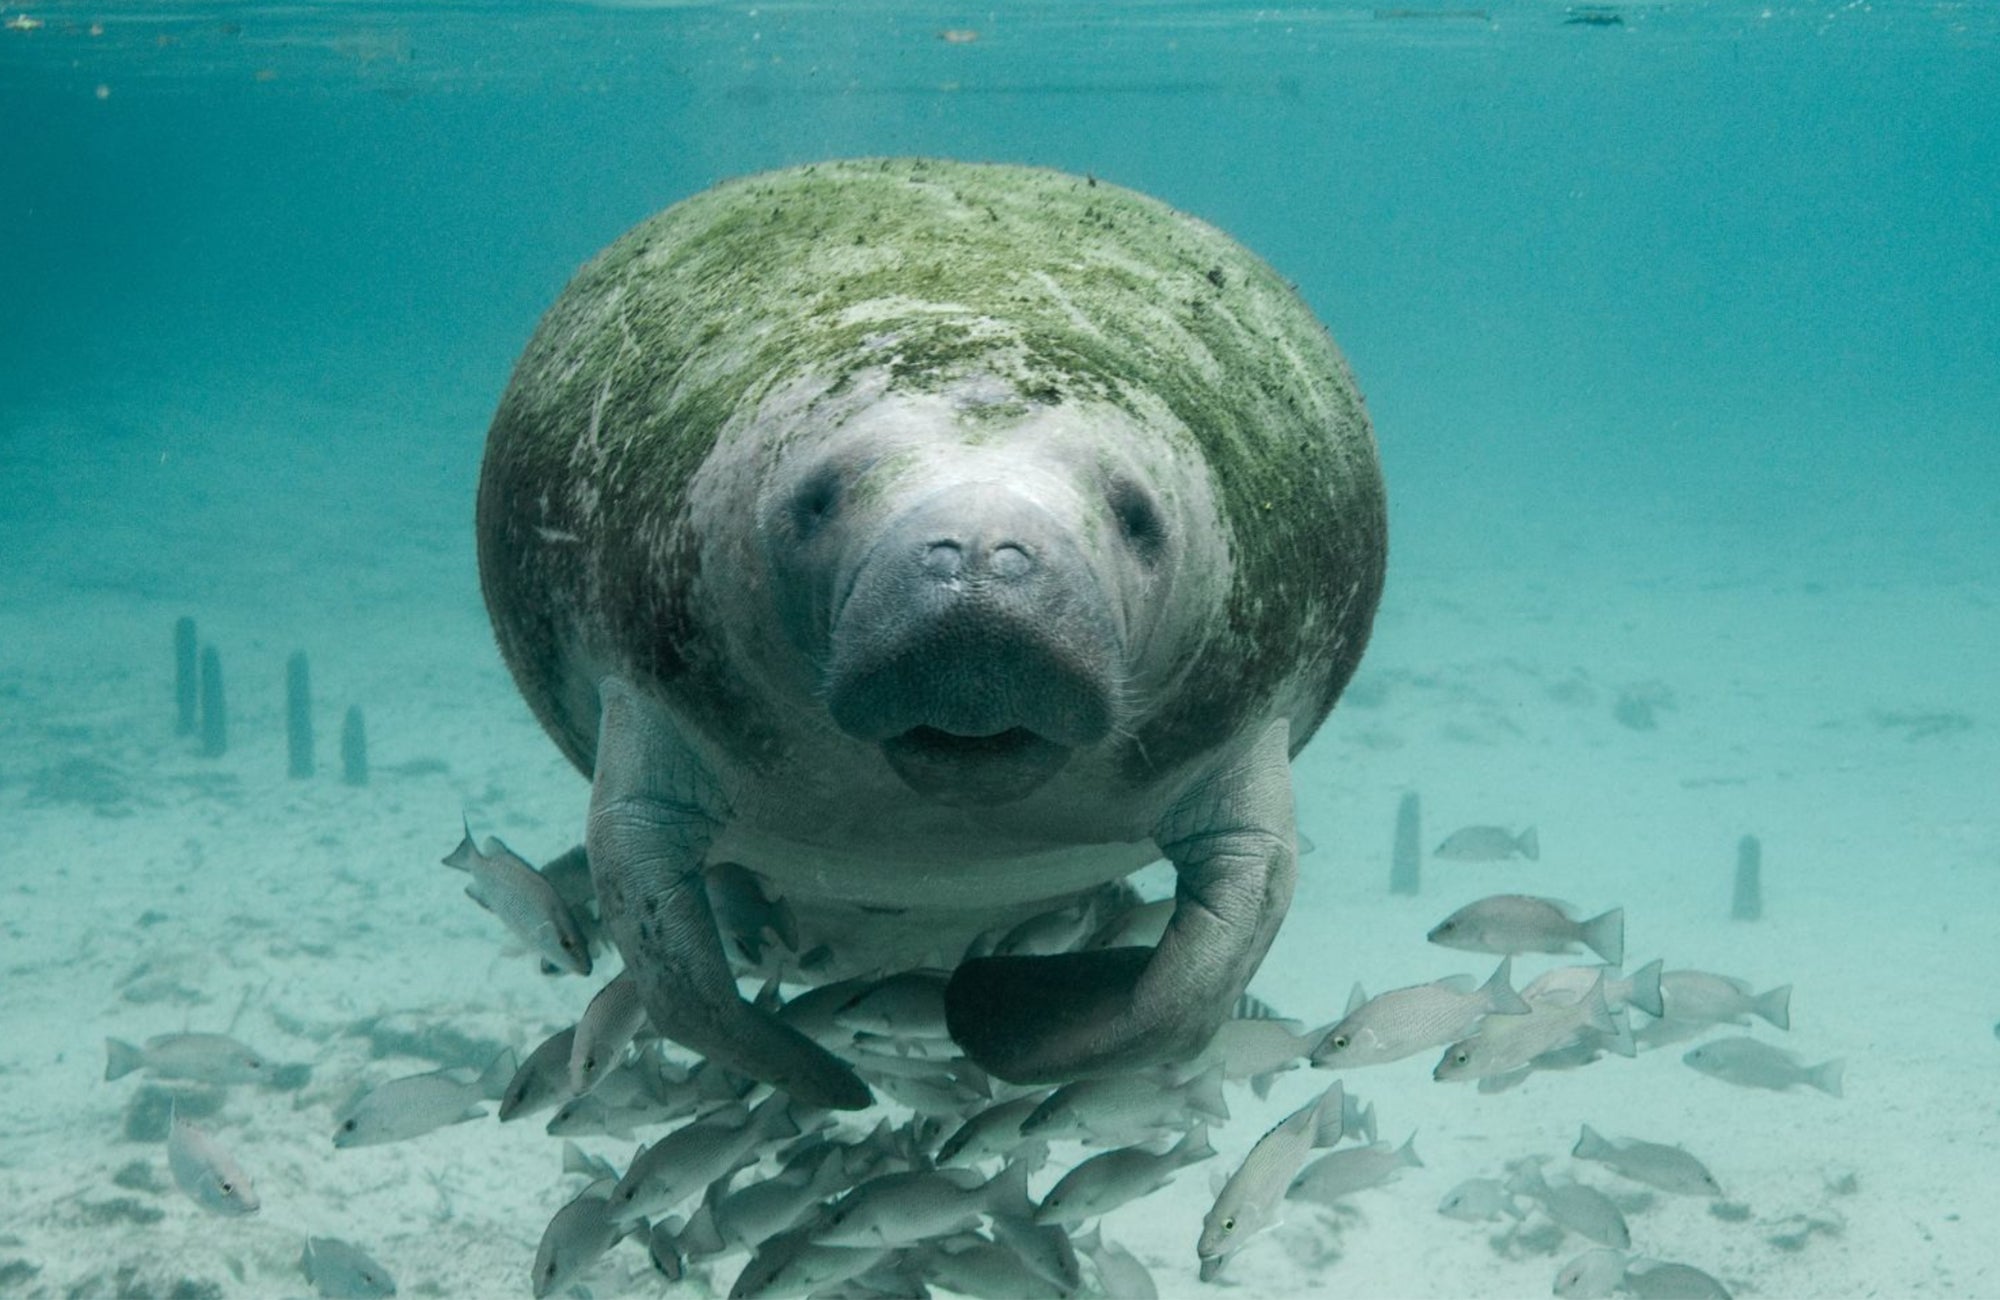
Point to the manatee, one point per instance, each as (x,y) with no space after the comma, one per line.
(938,543)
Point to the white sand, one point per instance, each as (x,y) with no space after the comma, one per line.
(287,911)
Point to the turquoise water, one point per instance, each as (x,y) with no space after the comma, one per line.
(1681,337)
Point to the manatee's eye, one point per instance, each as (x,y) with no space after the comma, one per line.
(1138,518)
(815,501)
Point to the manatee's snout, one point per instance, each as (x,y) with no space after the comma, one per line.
(976,646)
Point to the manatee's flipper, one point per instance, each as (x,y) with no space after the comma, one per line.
(1040,1019)
(653,814)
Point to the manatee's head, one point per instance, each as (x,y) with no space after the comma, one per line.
(975,578)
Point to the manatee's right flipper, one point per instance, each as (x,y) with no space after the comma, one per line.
(653,814)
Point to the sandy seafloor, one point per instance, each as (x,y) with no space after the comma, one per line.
(1840,704)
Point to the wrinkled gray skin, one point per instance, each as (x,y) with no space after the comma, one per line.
(937,542)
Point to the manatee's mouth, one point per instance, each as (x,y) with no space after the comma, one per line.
(980,770)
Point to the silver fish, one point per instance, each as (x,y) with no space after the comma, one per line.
(1257,1049)
(973,1266)
(609,1024)
(1668,1168)
(905,1005)
(1104,1182)
(683,1162)
(1127,1106)
(745,914)
(1247,1204)
(1580,1209)
(415,1104)
(1593,1275)
(1478,1200)
(209,1175)
(901,1209)
(1119,1272)
(1640,989)
(524,900)
(1695,995)
(1518,923)
(1405,1021)
(341,1270)
(1047,1252)
(576,1238)
(543,1079)
(792,1264)
(995,1131)
(1658,1280)
(1135,927)
(1507,1043)
(755,1213)
(1342,1173)
(1751,1064)
(198,1058)
(1489,844)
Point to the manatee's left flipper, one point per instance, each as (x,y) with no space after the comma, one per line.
(1231,840)
(653,814)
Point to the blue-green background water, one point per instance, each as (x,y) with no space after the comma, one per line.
(1681,336)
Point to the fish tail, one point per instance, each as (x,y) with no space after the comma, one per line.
(1590,1145)
(121,1058)
(1501,999)
(1775,1006)
(1826,1077)
(1204,1094)
(1529,845)
(1193,1147)
(1365,1123)
(1605,936)
(1330,1116)
(493,1081)
(1645,993)
(465,855)
(1408,1152)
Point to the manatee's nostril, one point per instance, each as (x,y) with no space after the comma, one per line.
(943,560)
(1010,561)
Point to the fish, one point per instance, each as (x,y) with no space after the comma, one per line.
(1140,926)
(909,1206)
(1478,1200)
(208,1174)
(1489,844)
(543,1079)
(1353,1169)
(1668,1168)
(905,1005)
(1749,1063)
(1698,996)
(609,1024)
(505,885)
(1047,1252)
(197,1058)
(577,1237)
(1247,1202)
(973,1266)
(341,1270)
(1518,923)
(994,1131)
(745,914)
(1661,1280)
(416,1104)
(1593,1275)
(1577,1208)
(755,1213)
(1403,1022)
(793,1264)
(1119,1272)
(1640,989)
(1106,1181)
(1504,1044)
(686,1160)
(1126,1106)
(1257,1049)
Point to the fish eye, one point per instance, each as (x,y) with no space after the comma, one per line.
(1340,1040)
(1461,1058)
(1229,1224)
(347,1126)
